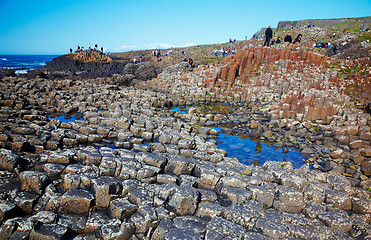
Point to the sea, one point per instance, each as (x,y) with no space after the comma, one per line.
(23,63)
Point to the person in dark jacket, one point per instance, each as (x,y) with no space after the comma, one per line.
(268,36)
(278,41)
(297,39)
(288,38)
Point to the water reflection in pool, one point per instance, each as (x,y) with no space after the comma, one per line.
(255,152)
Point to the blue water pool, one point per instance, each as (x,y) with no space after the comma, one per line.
(247,150)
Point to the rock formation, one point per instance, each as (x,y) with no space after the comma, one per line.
(130,168)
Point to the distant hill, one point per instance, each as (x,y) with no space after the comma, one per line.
(352,24)
(337,24)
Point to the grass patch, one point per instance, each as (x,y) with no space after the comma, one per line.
(364,36)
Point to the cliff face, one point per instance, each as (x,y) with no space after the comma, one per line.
(336,24)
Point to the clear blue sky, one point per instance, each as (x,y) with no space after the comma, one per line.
(55,26)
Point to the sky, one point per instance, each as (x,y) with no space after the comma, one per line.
(55,26)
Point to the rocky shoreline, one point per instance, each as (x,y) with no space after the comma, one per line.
(128,167)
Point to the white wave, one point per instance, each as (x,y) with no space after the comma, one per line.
(21,72)
(3,59)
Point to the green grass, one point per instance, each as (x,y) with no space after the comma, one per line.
(364,36)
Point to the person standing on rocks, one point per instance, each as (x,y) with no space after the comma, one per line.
(268,36)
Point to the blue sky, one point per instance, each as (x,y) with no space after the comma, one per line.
(55,26)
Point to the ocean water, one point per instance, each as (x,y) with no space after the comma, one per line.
(24,63)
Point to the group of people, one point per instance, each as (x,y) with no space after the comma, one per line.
(157,54)
(90,49)
(269,36)
(224,53)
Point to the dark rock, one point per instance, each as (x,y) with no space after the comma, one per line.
(144,218)
(9,210)
(33,181)
(209,210)
(190,223)
(122,208)
(164,227)
(8,160)
(272,229)
(184,200)
(103,188)
(225,227)
(179,166)
(50,231)
(75,222)
(182,234)
(240,215)
(76,201)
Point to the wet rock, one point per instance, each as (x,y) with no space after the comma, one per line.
(366,152)
(33,181)
(366,170)
(76,201)
(338,153)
